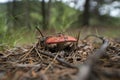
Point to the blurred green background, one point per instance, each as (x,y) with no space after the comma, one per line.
(18,19)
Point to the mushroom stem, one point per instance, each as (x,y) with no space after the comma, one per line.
(60,46)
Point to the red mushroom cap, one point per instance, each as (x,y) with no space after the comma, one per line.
(60,39)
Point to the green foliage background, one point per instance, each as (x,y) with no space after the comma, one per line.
(62,17)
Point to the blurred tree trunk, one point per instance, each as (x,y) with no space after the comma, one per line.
(46,10)
(44,24)
(86,13)
(8,15)
(48,13)
(14,13)
(27,14)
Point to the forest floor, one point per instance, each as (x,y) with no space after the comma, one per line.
(90,58)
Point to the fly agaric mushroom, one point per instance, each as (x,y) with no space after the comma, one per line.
(60,39)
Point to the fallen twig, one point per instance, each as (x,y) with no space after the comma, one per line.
(50,63)
(110,73)
(26,65)
(86,69)
(58,59)
(93,58)
(26,54)
(40,32)
(38,54)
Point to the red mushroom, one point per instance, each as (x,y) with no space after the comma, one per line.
(60,39)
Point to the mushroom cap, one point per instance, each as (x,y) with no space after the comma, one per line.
(60,39)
